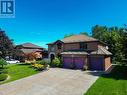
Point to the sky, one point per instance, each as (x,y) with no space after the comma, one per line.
(44,21)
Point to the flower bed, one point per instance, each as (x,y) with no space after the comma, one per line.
(40,65)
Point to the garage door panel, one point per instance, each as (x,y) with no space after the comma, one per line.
(96,63)
(67,62)
(79,63)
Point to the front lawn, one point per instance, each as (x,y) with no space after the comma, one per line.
(18,71)
(114,83)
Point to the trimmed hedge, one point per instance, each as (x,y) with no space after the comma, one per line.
(3,77)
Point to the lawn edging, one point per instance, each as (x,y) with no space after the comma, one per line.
(8,77)
(18,71)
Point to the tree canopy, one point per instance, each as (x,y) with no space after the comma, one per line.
(84,33)
(115,38)
(7,47)
(6,44)
(68,35)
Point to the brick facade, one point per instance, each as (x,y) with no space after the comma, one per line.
(75,46)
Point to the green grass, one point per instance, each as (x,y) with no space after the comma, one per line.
(114,83)
(18,71)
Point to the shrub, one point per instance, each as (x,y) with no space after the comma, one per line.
(2,62)
(35,65)
(85,67)
(56,62)
(3,77)
(124,62)
(38,66)
(41,65)
(39,62)
(30,56)
(44,62)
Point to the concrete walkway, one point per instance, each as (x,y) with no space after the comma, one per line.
(55,81)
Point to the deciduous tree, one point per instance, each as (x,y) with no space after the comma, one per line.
(114,37)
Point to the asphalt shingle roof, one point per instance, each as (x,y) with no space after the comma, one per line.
(72,52)
(77,38)
(100,51)
(30,45)
(26,51)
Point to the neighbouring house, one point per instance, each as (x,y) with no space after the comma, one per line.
(32,50)
(79,51)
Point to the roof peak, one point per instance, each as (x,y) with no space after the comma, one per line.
(78,38)
(28,44)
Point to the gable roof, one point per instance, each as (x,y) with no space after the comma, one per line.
(77,38)
(30,45)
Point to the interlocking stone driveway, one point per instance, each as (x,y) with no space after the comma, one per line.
(55,81)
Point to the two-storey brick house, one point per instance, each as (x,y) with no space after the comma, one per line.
(81,50)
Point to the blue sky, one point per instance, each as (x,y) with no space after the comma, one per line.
(43,21)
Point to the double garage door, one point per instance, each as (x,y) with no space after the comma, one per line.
(77,62)
(95,63)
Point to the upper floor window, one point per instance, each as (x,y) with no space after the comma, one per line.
(59,45)
(83,46)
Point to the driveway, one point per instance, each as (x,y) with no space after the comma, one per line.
(55,81)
